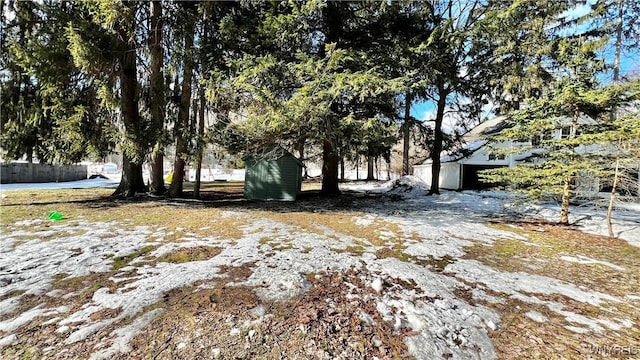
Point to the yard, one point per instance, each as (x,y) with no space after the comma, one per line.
(381,271)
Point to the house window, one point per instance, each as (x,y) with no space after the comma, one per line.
(566,132)
(493,156)
(536,140)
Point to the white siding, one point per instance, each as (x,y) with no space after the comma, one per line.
(423,172)
(449,175)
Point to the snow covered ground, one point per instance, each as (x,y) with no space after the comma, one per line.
(588,217)
(435,233)
(80,184)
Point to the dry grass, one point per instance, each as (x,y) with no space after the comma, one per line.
(95,205)
(233,322)
(338,224)
(184,255)
(521,337)
(121,261)
(36,204)
(545,246)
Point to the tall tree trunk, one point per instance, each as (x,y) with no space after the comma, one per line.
(330,157)
(566,190)
(618,44)
(612,198)
(342,167)
(156,79)
(182,125)
(388,162)
(131,181)
(201,144)
(614,113)
(133,156)
(30,155)
(358,167)
(370,168)
(406,132)
(437,145)
(614,188)
(330,161)
(301,145)
(566,196)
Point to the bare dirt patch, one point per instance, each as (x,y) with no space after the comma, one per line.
(231,322)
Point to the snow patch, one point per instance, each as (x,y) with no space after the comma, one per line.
(8,305)
(27,316)
(536,316)
(585,260)
(85,331)
(407,186)
(8,340)
(519,282)
(364,221)
(376,284)
(80,184)
(445,324)
(125,334)
(283,275)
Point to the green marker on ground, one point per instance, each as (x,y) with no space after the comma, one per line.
(54,215)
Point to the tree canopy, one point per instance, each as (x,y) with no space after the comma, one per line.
(338,79)
(563,108)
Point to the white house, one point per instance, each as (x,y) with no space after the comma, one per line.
(459,171)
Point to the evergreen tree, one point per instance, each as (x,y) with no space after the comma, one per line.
(400,34)
(198,62)
(510,46)
(157,96)
(104,45)
(548,69)
(308,70)
(20,116)
(49,109)
(181,127)
(452,79)
(574,107)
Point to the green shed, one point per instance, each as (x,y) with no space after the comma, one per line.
(272,173)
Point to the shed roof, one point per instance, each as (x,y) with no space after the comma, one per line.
(270,153)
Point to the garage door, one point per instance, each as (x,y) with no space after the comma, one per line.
(471,179)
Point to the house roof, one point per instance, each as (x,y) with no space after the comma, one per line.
(489,127)
(474,139)
(497,124)
(467,150)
